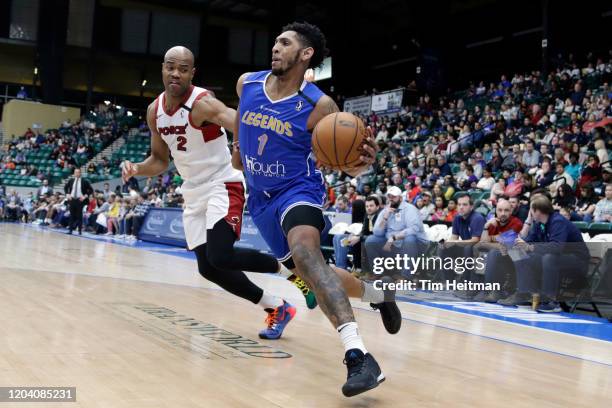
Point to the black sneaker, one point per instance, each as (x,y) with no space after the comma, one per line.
(549,307)
(467,295)
(480,296)
(493,296)
(517,300)
(363,373)
(389,312)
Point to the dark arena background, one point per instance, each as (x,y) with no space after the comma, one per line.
(170,237)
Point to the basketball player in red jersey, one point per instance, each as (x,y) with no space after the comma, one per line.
(187,122)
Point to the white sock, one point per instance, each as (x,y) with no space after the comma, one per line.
(270,302)
(372,295)
(284,271)
(349,334)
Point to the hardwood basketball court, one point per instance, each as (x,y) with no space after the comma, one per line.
(130,327)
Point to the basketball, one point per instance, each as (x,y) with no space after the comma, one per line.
(337,140)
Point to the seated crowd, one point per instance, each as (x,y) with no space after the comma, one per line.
(478,162)
(68,147)
(119,212)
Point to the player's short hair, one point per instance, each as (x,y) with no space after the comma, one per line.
(311,36)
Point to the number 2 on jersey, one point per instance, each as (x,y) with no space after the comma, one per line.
(182,141)
(263,139)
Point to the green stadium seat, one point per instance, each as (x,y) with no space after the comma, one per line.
(581,225)
(600,226)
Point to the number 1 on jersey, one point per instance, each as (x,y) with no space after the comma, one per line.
(263,139)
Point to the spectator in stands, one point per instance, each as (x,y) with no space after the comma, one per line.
(342,205)
(448,186)
(77,192)
(451,210)
(398,230)
(112,215)
(555,251)
(126,206)
(561,177)
(531,157)
(566,213)
(346,243)
(44,190)
(102,207)
(13,206)
(496,160)
(106,191)
(564,197)
(517,186)
(573,168)
(545,175)
(92,203)
(427,208)
(445,169)
(586,204)
(592,172)
(154,200)
(466,231)
(487,181)
(602,152)
(498,267)
(27,207)
(471,180)
(140,211)
(440,210)
(603,209)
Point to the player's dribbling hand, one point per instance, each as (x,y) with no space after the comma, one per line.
(128,170)
(369,149)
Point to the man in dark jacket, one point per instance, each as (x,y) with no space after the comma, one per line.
(344,243)
(554,250)
(77,193)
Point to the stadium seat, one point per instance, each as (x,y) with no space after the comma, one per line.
(581,225)
(600,226)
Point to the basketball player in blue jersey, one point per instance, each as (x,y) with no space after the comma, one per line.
(277,112)
(187,122)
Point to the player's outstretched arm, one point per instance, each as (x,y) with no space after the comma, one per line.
(326,106)
(210,109)
(236,160)
(159,159)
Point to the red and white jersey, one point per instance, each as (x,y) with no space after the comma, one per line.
(200,151)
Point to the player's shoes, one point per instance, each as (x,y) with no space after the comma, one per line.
(277,320)
(389,312)
(363,373)
(309,296)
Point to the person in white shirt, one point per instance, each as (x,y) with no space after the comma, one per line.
(487,181)
(428,207)
(603,209)
(382,134)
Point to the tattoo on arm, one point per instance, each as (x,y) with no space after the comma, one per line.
(330,106)
(325,283)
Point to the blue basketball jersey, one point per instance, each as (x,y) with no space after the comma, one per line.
(275,145)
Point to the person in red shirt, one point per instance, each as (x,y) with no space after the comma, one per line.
(497,266)
(451,210)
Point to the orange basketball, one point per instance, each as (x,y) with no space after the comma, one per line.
(337,140)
